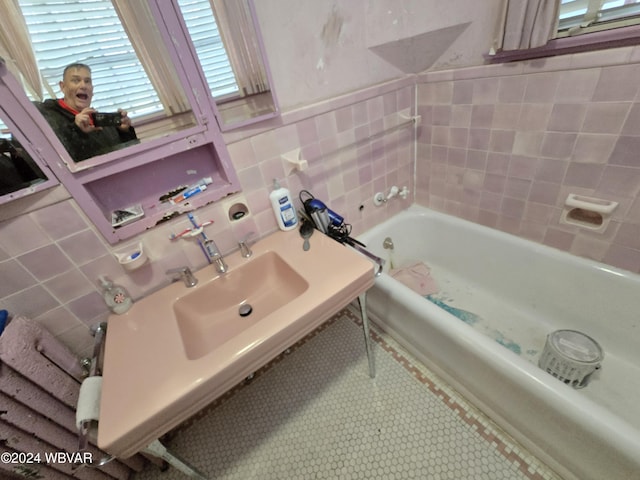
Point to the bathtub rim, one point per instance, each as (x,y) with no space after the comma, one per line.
(421,211)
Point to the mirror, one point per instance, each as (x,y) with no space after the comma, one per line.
(18,170)
(20,174)
(142,174)
(130,53)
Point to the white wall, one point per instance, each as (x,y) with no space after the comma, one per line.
(318,49)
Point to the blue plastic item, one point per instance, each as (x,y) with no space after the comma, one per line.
(3,319)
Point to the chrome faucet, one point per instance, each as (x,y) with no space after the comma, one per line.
(184,274)
(216,257)
(245,251)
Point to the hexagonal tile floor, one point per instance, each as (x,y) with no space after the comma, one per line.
(315,414)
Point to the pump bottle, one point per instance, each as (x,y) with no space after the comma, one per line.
(283,207)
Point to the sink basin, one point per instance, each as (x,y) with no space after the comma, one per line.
(210,315)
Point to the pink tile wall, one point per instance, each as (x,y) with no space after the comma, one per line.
(51,258)
(504,145)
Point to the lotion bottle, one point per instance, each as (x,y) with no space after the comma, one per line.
(115,296)
(283,207)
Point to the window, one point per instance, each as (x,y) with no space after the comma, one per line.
(536,28)
(201,24)
(585,16)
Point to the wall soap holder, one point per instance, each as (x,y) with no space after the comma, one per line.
(238,211)
(293,161)
(587,212)
(236,208)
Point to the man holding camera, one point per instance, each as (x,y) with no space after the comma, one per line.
(83,131)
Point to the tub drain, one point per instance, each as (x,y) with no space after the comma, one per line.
(571,357)
(245,310)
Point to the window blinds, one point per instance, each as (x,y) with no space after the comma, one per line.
(206,38)
(582,16)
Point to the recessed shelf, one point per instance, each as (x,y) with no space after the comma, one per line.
(147,184)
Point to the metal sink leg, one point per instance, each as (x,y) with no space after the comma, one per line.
(156,448)
(362,300)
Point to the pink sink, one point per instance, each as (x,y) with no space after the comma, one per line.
(211,314)
(180,348)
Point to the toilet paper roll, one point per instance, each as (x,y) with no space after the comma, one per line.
(88,407)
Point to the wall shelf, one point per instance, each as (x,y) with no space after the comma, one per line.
(148,185)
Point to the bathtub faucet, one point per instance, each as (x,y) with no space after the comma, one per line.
(393,191)
(380,198)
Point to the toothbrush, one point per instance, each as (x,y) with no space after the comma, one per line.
(203,237)
(191,232)
(198,228)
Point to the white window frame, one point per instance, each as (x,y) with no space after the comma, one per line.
(602,35)
(577,17)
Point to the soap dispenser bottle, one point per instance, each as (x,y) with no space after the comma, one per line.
(283,207)
(115,296)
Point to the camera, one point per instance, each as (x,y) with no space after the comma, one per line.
(107,119)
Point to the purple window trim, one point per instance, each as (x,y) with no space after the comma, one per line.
(619,37)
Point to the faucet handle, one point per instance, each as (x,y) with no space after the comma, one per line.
(245,251)
(185,274)
(393,191)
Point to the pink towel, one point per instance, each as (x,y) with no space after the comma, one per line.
(417,277)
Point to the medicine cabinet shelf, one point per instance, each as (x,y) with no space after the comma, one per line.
(148,186)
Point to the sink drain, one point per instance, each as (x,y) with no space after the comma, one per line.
(245,310)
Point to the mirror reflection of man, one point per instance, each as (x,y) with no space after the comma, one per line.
(72,117)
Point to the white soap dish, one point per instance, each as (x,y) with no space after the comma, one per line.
(587,212)
(132,260)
